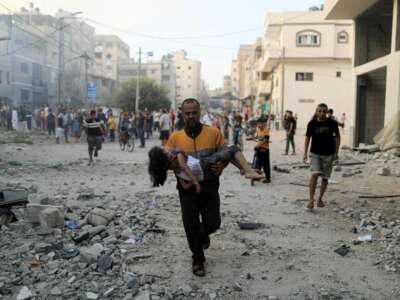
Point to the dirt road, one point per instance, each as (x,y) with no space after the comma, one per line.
(291,258)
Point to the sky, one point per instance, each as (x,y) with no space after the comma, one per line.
(162,26)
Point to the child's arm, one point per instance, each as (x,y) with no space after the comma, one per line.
(183,166)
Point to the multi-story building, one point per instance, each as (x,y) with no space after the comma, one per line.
(188,77)
(162,72)
(110,50)
(227,84)
(242,68)
(376,73)
(309,60)
(26,74)
(234,78)
(66,37)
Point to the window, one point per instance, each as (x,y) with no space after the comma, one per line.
(166,78)
(153,71)
(24,95)
(99,55)
(8,78)
(304,76)
(264,76)
(189,68)
(109,45)
(178,68)
(338,74)
(109,56)
(343,37)
(24,68)
(308,38)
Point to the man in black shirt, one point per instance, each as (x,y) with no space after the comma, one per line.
(290,127)
(95,131)
(325,142)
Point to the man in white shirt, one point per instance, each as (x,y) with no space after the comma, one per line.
(207,119)
(164,127)
(156,118)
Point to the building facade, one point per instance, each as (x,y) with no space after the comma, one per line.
(110,50)
(188,77)
(376,74)
(26,74)
(308,60)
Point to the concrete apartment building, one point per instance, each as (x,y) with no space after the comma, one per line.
(309,60)
(163,72)
(47,32)
(376,79)
(242,68)
(110,50)
(188,77)
(26,76)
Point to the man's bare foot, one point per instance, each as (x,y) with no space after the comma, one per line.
(253,174)
(310,205)
(320,203)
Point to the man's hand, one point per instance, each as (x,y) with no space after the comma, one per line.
(217,168)
(197,187)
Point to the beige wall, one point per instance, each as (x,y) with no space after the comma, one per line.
(337,93)
(188,77)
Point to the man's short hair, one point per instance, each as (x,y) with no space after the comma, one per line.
(92,112)
(190,100)
(330,111)
(322,105)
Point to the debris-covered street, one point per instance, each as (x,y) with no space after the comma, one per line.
(101,232)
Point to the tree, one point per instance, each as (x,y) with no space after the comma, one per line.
(152,95)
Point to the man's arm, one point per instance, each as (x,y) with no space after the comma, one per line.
(306,146)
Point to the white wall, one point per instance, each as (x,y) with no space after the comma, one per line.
(337,93)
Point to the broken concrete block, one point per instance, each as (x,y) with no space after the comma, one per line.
(383,171)
(33,210)
(51,217)
(99,216)
(90,255)
(24,294)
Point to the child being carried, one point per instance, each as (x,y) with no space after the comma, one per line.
(190,170)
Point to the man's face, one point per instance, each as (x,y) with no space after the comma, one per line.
(191,114)
(92,115)
(322,113)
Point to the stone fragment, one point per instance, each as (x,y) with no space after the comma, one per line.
(144,295)
(51,217)
(383,171)
(109,292)
(55,291)
(88,234)
(91,296)
(104,262)
(32,212)
(90,255)
(24,293)
(99,216)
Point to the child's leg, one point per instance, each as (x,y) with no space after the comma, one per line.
(242,164)
(267,166)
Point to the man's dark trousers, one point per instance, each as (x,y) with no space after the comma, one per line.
(207,205)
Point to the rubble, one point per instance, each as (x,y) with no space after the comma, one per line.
(99,216)
(51,217)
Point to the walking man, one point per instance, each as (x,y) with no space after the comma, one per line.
(164,127)
(198,141)
(325,142)
(290,127)
(94,132)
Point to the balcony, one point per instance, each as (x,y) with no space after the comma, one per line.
(345,9)
(271,56)
(264,87)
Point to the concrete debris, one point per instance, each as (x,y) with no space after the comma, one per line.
(24,294)
(51,217)
(90,255)
(99,216)
(383,171)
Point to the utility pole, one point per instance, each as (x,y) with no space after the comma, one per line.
(283,81)
(60,60)
(86,57)
(137,81)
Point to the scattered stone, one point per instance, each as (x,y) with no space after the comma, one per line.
(383,171)
(104,262)
(55,292)
(32,212)
(144,295)
(90,255)
(251,225)
(99,216)
(89,234)
(51,217)
(109,292)
(24,293)
(91,296)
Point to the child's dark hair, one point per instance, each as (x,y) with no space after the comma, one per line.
(158,166)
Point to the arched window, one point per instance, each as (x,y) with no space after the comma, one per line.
(308,38)
(343,37)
